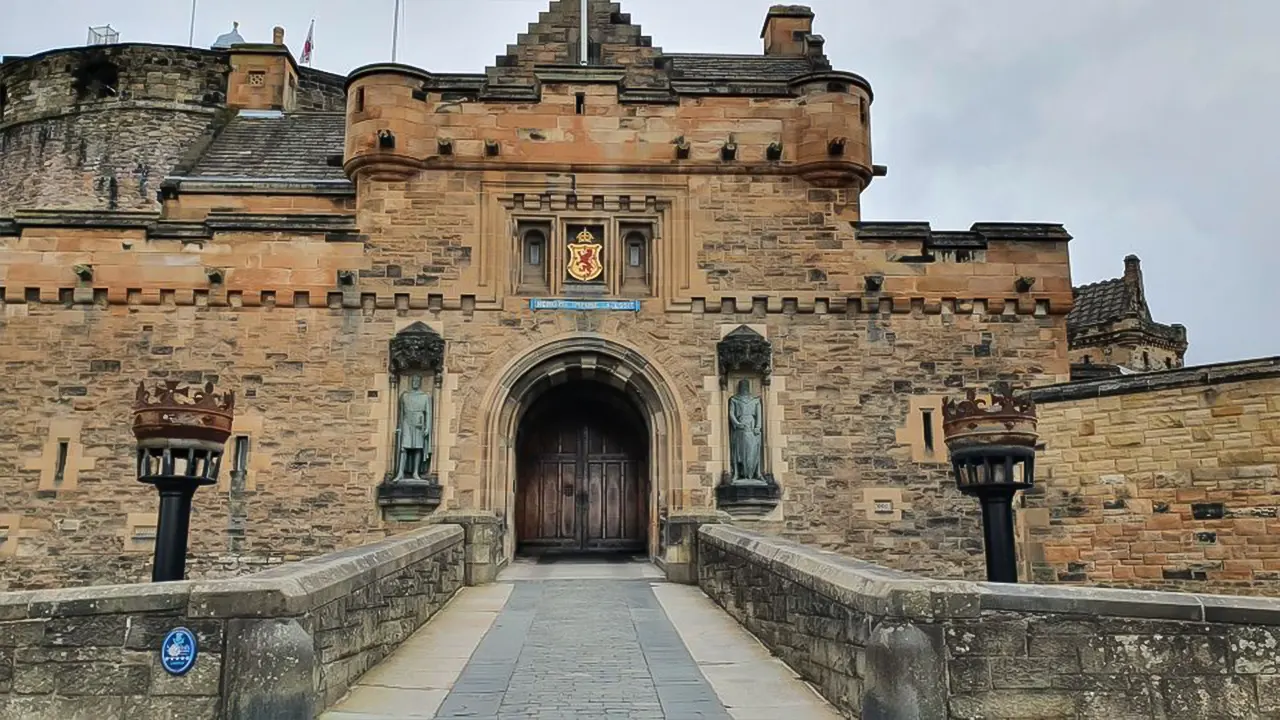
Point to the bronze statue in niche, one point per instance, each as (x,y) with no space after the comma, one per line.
(746,433)
(414,431)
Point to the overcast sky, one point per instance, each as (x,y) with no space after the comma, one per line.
(1144,126)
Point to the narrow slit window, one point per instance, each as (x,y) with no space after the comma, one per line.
(240,461)
(580,105)
(60,469)
(359,99)
(926,415)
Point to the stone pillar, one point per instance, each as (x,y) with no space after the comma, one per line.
(679,557)
(483,541)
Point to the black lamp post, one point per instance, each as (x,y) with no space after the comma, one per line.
(993,451)
(181,435)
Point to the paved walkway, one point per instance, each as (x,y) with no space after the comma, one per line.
(572,640)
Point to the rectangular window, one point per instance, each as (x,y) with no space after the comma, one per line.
(581,104)
(926,415)
(635,254)
(359,99)
(240,461)
(60,469)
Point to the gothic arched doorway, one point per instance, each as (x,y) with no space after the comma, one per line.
(582,484)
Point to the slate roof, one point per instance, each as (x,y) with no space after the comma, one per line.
(293,147)
(1101,302)
(736,67)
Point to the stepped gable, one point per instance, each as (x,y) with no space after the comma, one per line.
(553,41)
(619,45)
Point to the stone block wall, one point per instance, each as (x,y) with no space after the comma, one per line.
(99,127)
(883,644)
(1166,481)
(320,91)
(288,641)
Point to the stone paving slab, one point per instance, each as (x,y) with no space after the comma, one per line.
(583,648)
(581,641)
(746,677)
(417,677)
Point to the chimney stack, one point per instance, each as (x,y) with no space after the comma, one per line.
(1133,277)
(277,35)
(785,30)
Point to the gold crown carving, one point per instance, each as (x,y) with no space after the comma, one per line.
(585,236)
(169,411)
(1006,418)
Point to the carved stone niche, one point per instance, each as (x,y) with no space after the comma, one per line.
(747,487)
(411,488)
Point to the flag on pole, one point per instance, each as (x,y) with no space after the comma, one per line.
(308,45)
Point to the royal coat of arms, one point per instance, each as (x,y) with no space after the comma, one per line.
(585,263)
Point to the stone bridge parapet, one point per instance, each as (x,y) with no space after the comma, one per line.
(285,643)
(883,644)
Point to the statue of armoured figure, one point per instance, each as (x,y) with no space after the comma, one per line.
(415,431)
(745,434)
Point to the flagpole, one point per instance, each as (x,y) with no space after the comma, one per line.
(395,32)
(584,42)
(191,37)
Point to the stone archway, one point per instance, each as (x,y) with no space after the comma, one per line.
(580,358)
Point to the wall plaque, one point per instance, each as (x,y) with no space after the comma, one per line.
(178,651)
(553,304)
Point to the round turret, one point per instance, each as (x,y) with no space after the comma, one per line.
(103,124)
(834,134)
(387,130)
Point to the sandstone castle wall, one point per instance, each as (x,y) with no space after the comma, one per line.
(1168,481)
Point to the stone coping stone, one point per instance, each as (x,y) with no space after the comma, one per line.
(95,600)
(874,589)
(1196,375)
(290,590)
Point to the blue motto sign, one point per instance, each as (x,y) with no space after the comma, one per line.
(549,304)
(178,651)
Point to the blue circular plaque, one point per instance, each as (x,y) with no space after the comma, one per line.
(178,651)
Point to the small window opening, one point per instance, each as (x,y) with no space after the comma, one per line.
(533,257)
(359,99)
(581,105)
(4,100)
(635,259)
(60,468)
(535,251)
(926,415)
(1168,363)
(862,110)
(240,461)
(1088,359)
(1146,361)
